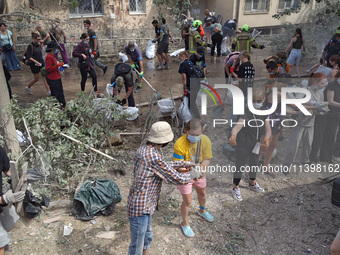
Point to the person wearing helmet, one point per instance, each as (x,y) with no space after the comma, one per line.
(195,39)
(150,169)
(244,40)
(123,76)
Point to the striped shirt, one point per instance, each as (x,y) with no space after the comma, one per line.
(149,171)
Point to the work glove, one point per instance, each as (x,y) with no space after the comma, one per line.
(320,108)
(303,53)
(11,198)
(121,102)
(94,52)
(232,140)
(265,143)
(186,93)
(261,47)
(133,66)
(141,74)
(210,45)
(154,40)
(232,69)
(60,64)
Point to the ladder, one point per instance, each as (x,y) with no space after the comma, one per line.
(113,24)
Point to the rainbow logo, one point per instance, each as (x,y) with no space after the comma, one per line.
(213,90)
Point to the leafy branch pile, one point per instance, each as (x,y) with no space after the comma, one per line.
(316,36)
(91,121)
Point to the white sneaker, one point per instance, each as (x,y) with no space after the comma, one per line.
(159,67)
(256,188)
(236,194)
(29,91)
(66,66)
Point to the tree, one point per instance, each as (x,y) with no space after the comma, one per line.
(331,7)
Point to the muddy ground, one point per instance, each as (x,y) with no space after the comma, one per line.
(283,220)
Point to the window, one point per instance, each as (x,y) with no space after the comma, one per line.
(256,6)
(285,4)
(88,8)
(137,6)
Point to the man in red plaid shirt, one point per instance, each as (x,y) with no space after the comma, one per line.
(149,171)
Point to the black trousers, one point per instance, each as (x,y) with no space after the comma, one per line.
(130,99)
(192,101)
(93,75)
(242,153)
(216,39)
(57,90)
(320,125)
(327,145)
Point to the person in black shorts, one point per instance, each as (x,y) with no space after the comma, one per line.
(163,46)
(123,76)
(34,55)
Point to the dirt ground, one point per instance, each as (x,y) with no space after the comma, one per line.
(293,216)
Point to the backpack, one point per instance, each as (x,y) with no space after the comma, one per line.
(217,30)
(53,33)
(195,71)
(24,58)
(121,69)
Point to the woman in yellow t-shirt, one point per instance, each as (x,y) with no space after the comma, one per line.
(186,149)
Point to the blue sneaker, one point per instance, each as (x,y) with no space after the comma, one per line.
(206,216)
(187,231)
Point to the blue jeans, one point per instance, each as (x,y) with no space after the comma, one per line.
(141,234)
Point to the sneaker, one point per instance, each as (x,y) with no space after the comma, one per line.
(6,247)
(336,158)
(105,69)
(256,188)
(167,67)
(29,91)
(309,71)
(236,194)
(138,89)
(49,93)
(66,66)
(159,67)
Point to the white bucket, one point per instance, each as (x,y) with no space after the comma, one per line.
(165,105)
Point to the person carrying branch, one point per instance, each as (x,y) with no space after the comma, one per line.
(8,216)
(150,169)
(122,76)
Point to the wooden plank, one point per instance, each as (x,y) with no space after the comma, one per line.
(14,174)
(48,221)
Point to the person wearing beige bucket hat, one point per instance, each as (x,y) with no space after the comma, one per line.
(150,169)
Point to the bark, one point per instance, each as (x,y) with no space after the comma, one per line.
(7,126)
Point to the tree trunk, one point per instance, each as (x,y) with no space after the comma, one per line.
(7,126)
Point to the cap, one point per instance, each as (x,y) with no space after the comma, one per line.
(160,133)
(332,40)
(119,83)
(131,45)
(201,50)
(51,45)
(206,10)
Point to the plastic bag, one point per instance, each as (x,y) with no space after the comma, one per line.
(123,57)
(165,105)
(224,47)
(150,50)
(229,99)
(109,90)
(183,111)
(132,112)
(176,52)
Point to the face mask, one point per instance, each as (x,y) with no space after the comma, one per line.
(86,42)
(132,50)
(316,88)
(257,105)
(193,139)
(198,55)
(272,73)
(85,27)
(55,51)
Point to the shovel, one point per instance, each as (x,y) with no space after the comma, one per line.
(157,95)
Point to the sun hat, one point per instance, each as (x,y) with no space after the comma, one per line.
(120,83)
(160,133)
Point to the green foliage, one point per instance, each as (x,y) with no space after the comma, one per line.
(329,7)
(72,4)
(178,9)
(88,120)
